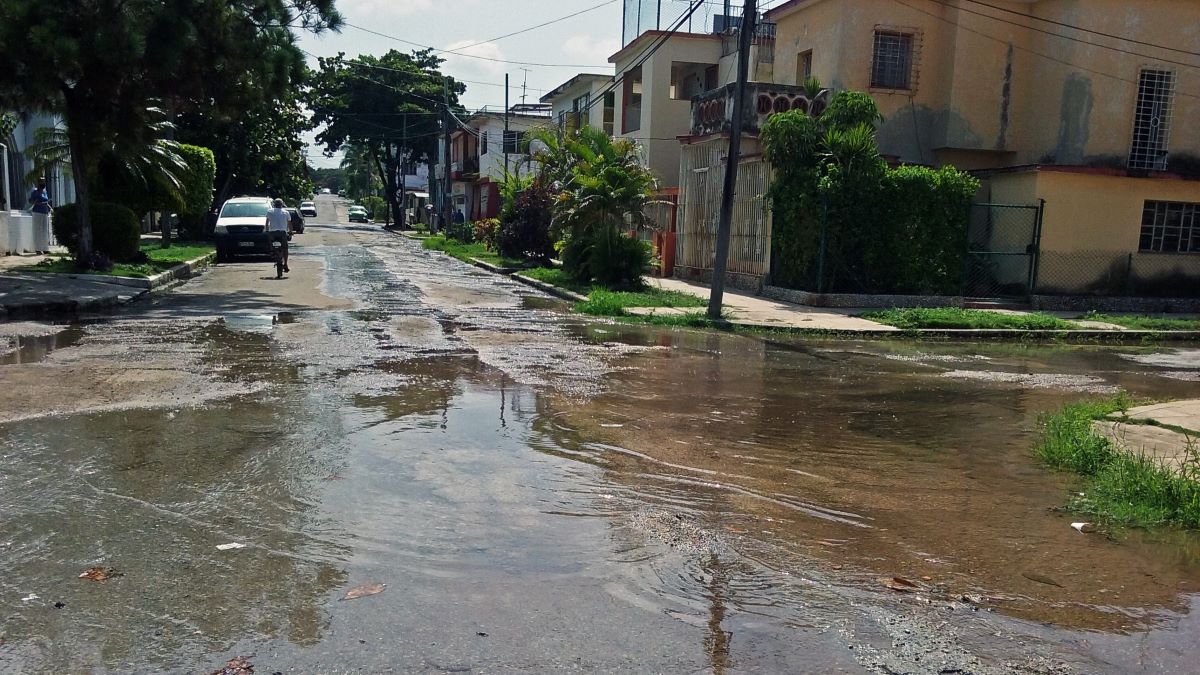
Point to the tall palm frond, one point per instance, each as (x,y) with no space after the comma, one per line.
(148,158)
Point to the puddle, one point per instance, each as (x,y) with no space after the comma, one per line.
(18,349)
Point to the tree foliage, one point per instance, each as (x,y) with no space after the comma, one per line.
(388,106)
(100,64)
(845,222)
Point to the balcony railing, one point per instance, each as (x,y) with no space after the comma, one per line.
(712,112)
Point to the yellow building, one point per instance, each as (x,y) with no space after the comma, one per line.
(1089,105)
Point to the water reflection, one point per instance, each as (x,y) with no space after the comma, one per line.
(817,438)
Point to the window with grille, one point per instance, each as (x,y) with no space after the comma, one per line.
(1152,119)
(891,62)
(1170,227)
(512,142)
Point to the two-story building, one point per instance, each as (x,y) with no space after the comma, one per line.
(588,99)
(1083,105)
(483,149)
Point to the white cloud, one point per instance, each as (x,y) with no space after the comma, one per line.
(589,49)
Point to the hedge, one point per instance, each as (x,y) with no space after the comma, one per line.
(116,231)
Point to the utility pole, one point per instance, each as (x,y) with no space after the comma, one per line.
(446,187)
(401,220)
(731,161)
(504,141)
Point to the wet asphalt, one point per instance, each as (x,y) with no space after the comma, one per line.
(513,488)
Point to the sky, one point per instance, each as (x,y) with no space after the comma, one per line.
(581,44)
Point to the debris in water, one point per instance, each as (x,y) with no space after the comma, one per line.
(1041,579)
(612,426)
(100,573)
(900,584)
(238,665)
(363,591)
(59,604)
(230,546)
(30,598)
(1085,528)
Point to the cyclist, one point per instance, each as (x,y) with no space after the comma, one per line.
(279,224)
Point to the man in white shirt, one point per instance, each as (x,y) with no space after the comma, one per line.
(279,224)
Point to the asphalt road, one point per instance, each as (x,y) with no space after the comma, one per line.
(390,461)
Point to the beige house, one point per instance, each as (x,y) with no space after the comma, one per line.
(1087,105)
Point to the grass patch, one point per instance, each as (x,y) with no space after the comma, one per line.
(604,302)
(159,260)
(1136,322)
(954,317)
(465,252)
(1123,486)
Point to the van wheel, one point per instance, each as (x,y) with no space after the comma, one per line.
(222,256)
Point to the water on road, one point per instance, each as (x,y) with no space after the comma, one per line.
(538,492)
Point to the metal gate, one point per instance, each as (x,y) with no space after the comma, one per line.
(1002,250)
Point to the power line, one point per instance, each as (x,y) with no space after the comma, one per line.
(1084,30)
(1030,51)
(644,56)
(1079,40)
(473,56)
(532,28)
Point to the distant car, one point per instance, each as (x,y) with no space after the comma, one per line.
(308,209)
(358,214)
(241,228)
(325,191)
(297,221)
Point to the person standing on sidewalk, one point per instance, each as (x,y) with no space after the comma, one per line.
(40,207)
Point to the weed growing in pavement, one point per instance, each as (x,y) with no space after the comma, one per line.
(1123,486)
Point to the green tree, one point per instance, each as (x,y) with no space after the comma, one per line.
(389,106)
(99,63)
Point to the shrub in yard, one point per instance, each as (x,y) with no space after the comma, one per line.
(487,231)
(617,260)
(116,231)
(525,225)
(376,206)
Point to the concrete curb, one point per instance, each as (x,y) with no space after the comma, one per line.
(1123,337)
(549,288)
(180,271)
(506,271)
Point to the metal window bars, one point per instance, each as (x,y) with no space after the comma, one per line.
(892,60)
(1170,227)
(1152,119)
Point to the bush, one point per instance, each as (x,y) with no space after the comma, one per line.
(607,257)
(525,225)
(116,231)
(376,207)
(487,231)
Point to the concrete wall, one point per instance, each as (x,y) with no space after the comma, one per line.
(988,92)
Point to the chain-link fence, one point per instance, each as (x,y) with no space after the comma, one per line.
(1109,273)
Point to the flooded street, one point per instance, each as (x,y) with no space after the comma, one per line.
(541,492)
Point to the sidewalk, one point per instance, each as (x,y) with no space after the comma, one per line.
(33,294)
(744,309)
(1167,432)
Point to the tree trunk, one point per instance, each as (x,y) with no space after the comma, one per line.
(82,160)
